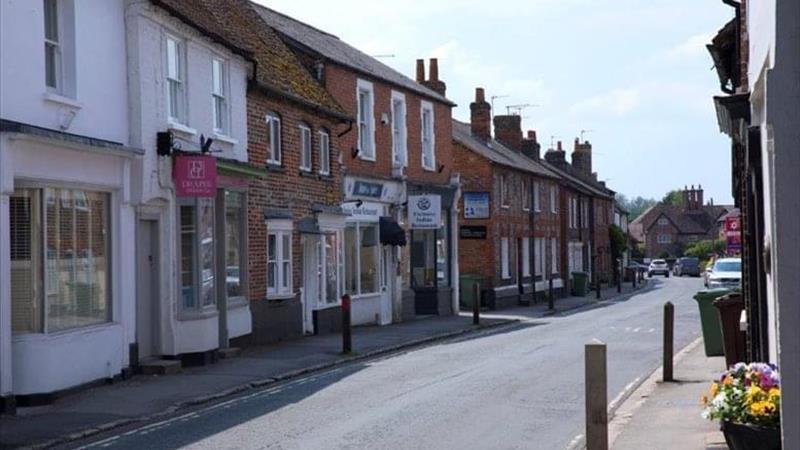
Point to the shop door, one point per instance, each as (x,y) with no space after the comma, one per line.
(312,279)
(147,314)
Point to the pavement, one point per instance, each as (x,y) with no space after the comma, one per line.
(666,415)
(144,399)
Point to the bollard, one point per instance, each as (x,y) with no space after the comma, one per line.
(597,287)
(633,278)
(550,296)
(596,396)
(669,322)
(476,305)
(347,340)
(619,276)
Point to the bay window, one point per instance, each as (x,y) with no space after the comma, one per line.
(60,259)
(362,258)
(279,258)
(196,253)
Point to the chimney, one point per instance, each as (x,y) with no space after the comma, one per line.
(481,116)
(556,157)
(508,130)
(531,147)
(693,198)
(433,82)
(582,157)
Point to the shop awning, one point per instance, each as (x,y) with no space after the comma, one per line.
(391,232)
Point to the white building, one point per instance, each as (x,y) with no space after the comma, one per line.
(191,263)
(66,258)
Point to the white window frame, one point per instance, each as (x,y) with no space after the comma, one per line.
(428,136)
(275,154)
(663,221)
(554,199)
(555,255)
(526,257)
(664,239)
(280,229)
(219,90)
(365,121)
(56,64)
(505,272)
(324,152)
(526,201)
(379,258)
(197,258)
(399,133)
(537,206)
(539,256)
(179,77)
(306,152)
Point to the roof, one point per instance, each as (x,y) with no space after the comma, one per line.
(334,49)
(234,24)
(10,126)
(576,181)
(497,153)
(687,221)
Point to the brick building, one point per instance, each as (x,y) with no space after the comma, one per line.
(398,148)
(669,229)
(509,233)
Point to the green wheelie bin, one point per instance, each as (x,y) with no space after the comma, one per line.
(709,320)
(467,290)
(580,283)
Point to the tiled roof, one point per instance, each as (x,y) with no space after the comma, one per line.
(497,152)
(578,182)
(235,24)
(333,48)
(699,221)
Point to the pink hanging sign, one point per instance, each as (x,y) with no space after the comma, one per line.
(195,176)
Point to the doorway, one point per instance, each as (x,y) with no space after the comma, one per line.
(312,279)
(147,301)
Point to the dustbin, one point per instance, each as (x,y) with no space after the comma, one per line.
(466,285)
(730,308)
(709,320)
(580,283)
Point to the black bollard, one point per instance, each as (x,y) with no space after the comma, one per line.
(476,305)
(347,340)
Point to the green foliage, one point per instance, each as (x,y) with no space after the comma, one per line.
(706,248)
(673,197)
(663,254)
(637,252)
(619,241)
(635,206)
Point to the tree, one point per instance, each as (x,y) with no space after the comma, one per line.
(706,248)
(635,206)
(673,197)
(619,241)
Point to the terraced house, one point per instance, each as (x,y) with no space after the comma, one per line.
(399,185)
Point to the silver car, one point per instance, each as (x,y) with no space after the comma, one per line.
(726,273)
(658,267)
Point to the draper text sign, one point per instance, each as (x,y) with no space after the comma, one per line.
(195,176)
(425,211)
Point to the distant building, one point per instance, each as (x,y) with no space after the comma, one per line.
(670,228)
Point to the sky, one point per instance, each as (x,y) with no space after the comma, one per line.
(634,73)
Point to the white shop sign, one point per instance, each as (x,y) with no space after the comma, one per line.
(366,212)
(425,211)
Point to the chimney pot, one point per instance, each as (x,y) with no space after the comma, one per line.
(532,134)
(420,70)
(558,147)
(480,95)
(433,70)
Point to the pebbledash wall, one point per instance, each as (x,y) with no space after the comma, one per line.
(64,145)
(180,329)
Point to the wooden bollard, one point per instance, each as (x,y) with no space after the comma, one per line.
(347,339)
(669,323)
(476,305)
(596,396)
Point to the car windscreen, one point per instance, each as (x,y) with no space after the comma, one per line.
(690,262)
(728,266)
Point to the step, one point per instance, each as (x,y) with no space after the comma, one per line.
(160,367)
(230,352)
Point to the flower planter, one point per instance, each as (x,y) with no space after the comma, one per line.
(750,437)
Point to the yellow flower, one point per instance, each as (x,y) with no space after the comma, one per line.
(703,400)
(774,393)
(714,389)
(762,408)
(727,381)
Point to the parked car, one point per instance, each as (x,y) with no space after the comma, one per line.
(726,273)
(658,267)
(686,265)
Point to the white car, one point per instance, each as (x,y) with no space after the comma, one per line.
(726,273)
(658,267)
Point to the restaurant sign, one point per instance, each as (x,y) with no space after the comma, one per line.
(733,234)
(425,211)
(195,176)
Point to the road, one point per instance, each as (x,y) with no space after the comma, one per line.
(520,387)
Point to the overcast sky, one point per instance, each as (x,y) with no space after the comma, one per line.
(635,72)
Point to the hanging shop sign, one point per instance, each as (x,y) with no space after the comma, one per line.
(366,189)
(472,232)
(363,211)
(425,211)
(476,205)
(733,234)
(195,176)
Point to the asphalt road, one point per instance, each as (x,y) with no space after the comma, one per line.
(520,387)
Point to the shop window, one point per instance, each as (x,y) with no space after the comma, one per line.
(430,256)
(197,276)
(279,258)
(235,223)
(69,230)
(362,258)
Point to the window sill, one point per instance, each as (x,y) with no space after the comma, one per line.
(181,128)
(280,297)
(325,176)
(202,314)
(275,167)
(505,206)
(61,100)
(225,138)
(238,302)
(328,306)
(41,336)
(307,173)
(428,169)
(366,158)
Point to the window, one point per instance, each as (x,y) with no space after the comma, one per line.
(526,194)
(273,139)
(536,197)
(324,153)
(305,148)
(219,86)
(539,255)
(235,251)
(52,46)
(60,259)
(663,221)
(366,121)
(399,130)
(554,199)
(362,258)
(504,191)
(664,239)
(526,257)
(585,214)
(430,256)
(504,259)
(428,137)
(554,255)
(279,258)
(176,92)
(196,237)
(331,268)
